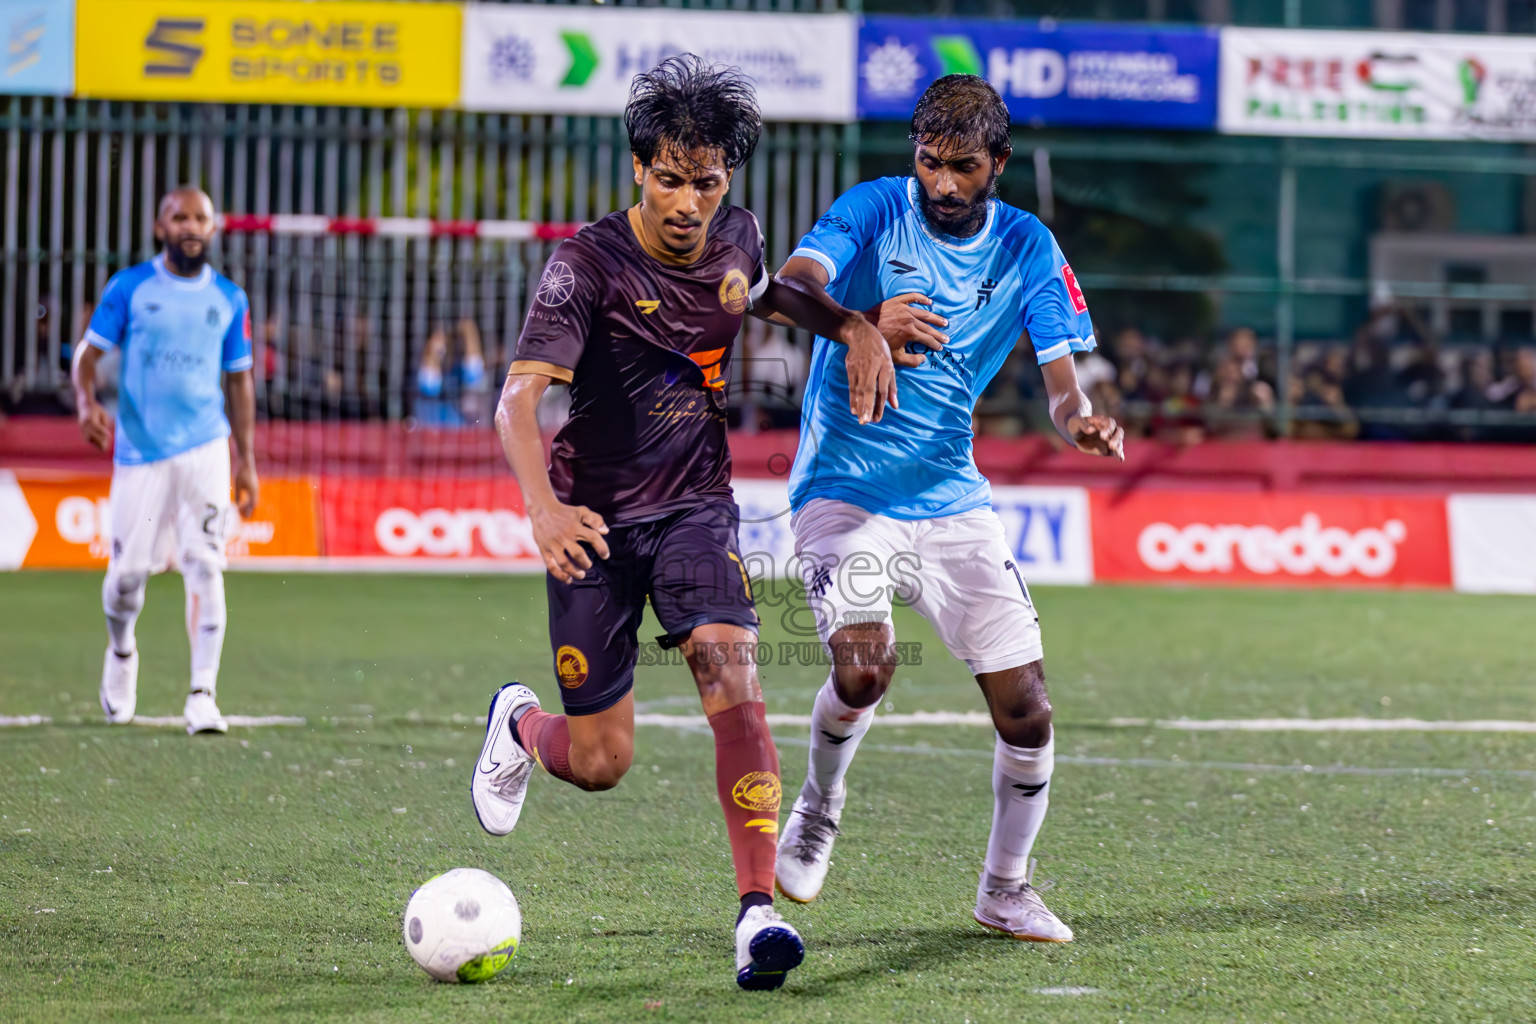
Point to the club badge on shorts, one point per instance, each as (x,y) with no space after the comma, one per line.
(570,667)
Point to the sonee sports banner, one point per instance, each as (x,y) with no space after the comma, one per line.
(365,54)
(1049,73)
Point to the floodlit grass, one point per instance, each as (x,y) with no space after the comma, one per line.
(1209,876)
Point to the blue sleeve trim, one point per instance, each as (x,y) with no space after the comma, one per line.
(819,257)
(1065,348)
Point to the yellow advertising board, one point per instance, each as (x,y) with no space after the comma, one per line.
(334,52)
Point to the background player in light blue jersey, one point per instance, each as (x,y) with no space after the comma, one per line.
(185,335)
(895,507)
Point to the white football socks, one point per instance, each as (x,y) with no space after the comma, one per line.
(836,730)
(122,599)
(206,619)
(1021,778)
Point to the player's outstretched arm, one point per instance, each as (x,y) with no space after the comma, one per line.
(240,400)
(799,292)
(558,529)
(1072,413)
(95,421)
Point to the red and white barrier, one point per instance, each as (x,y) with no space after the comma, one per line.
(316,225)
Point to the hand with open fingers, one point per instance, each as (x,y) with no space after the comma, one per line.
(96,426)
(871,374)
(560,530)
(247,489)
(1099,435)
(911,331)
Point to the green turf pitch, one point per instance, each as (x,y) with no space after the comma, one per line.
(1209,876)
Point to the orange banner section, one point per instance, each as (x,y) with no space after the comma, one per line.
(70,521)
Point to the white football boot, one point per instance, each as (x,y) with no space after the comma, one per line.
(1017,911)
(202,714)
(500,782)
(767,949)
(120,686)
(805,846)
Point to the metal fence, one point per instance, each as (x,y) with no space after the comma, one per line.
(339,321)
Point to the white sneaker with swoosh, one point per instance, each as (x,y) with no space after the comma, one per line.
(120,686)
(500,782)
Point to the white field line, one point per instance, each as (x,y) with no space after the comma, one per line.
(914,719)
(172,722)
(1322,725)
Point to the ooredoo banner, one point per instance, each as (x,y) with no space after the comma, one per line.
(269,51)
(581,60)
(1384,85)
(1296,540)
(1048,72)
(64,521)
(455,518)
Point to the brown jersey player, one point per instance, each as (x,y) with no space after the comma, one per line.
(638,314)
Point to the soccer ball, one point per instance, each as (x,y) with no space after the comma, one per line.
(463,925)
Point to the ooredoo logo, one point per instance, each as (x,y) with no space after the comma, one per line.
(1301,550)
(442,532)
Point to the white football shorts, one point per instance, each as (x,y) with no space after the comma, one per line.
(956,571)
(172,509)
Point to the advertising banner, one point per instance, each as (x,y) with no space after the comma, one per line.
(1047,530)
(1493,542)
(1049,73)
(367,54)
(580,60)
(1382,85)
(52,521)
(39,54)
(1295,540)
(414,518)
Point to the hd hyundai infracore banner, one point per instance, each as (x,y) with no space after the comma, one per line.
(1049,73)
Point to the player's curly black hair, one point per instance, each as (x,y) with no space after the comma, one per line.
(684,104)
(962,111)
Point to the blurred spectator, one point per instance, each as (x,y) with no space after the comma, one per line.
(1331,419)
(1179,419)
(451,386)
(1242,346)
(1238,406)
(1525,380)
(1473,394)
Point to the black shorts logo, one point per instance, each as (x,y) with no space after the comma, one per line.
(570,666)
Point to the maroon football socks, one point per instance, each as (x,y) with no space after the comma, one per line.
(747,777)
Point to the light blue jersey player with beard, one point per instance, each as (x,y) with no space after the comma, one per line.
(1010,277)
(895,511)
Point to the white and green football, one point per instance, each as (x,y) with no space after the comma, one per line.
(463,925)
